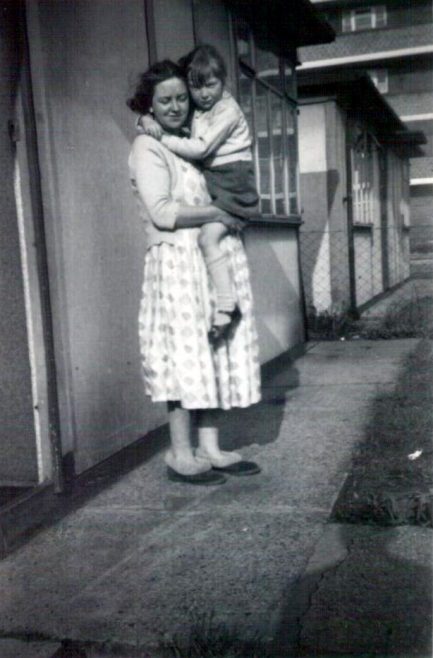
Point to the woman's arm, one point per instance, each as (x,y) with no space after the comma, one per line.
(153,180)
(196,216)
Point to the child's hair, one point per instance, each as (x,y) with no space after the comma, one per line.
(160,72)
(202,62)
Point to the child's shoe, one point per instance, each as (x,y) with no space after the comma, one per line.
(220,332)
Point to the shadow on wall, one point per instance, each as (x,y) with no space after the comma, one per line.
(332,181)
(318,240)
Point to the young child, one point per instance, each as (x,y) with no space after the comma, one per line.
(221,141)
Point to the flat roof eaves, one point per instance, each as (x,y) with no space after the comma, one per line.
(371,45)
(286,25)
(360,98)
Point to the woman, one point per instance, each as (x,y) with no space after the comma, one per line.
(180,366)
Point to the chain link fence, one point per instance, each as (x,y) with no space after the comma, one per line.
(344,272)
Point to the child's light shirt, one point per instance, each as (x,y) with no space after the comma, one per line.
(218,136)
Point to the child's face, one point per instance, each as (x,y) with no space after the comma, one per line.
(207,94)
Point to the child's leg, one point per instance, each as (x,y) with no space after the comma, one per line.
(218,267)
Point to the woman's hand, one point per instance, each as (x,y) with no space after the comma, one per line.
(232,223)
(196,216)
(148,126)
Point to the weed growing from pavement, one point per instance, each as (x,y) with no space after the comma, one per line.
(391,481)
(331,324)
(208,638)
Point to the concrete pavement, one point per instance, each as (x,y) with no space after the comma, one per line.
(145,559)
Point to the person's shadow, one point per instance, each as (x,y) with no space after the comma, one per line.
(366,591)
(260,424)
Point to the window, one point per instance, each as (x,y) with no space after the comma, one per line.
(364,183)
(364,18)
(380,79)
(267,95)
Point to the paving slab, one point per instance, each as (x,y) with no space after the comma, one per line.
(347,362)
(11,648)
(142,559)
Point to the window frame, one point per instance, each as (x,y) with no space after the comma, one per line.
(247,68)
(377,14)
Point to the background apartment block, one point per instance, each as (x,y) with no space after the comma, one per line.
(391,40)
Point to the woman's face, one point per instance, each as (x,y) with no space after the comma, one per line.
(170,104)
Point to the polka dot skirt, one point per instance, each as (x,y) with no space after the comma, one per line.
(176,309)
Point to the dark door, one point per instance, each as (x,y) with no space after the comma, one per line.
(18,461)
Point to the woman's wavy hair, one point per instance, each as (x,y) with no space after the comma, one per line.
(160,72)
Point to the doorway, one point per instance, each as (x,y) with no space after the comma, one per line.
(25,440)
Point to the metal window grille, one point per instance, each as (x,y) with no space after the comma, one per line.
(267,88)
(365,184)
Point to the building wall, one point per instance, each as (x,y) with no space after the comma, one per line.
(421,232)
(324,235)
(421,216)
(400,14)
(274,264)
(398,219)
(174,30)
(413,76)
(335,120)
(369,271)
(95,240)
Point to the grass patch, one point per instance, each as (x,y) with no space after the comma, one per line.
(405,318)
(391,481)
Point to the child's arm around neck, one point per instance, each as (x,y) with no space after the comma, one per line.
(213,127)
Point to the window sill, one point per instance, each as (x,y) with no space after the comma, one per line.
(350,33)
(293,221)
(363,227)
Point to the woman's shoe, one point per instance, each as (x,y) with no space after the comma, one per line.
(239,468)
(220,332)
(207,478)
(229,462)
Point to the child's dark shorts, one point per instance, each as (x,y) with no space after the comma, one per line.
(232,187)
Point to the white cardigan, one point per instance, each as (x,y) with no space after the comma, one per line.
(157,181)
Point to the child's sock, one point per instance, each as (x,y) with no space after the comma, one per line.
(218,269)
